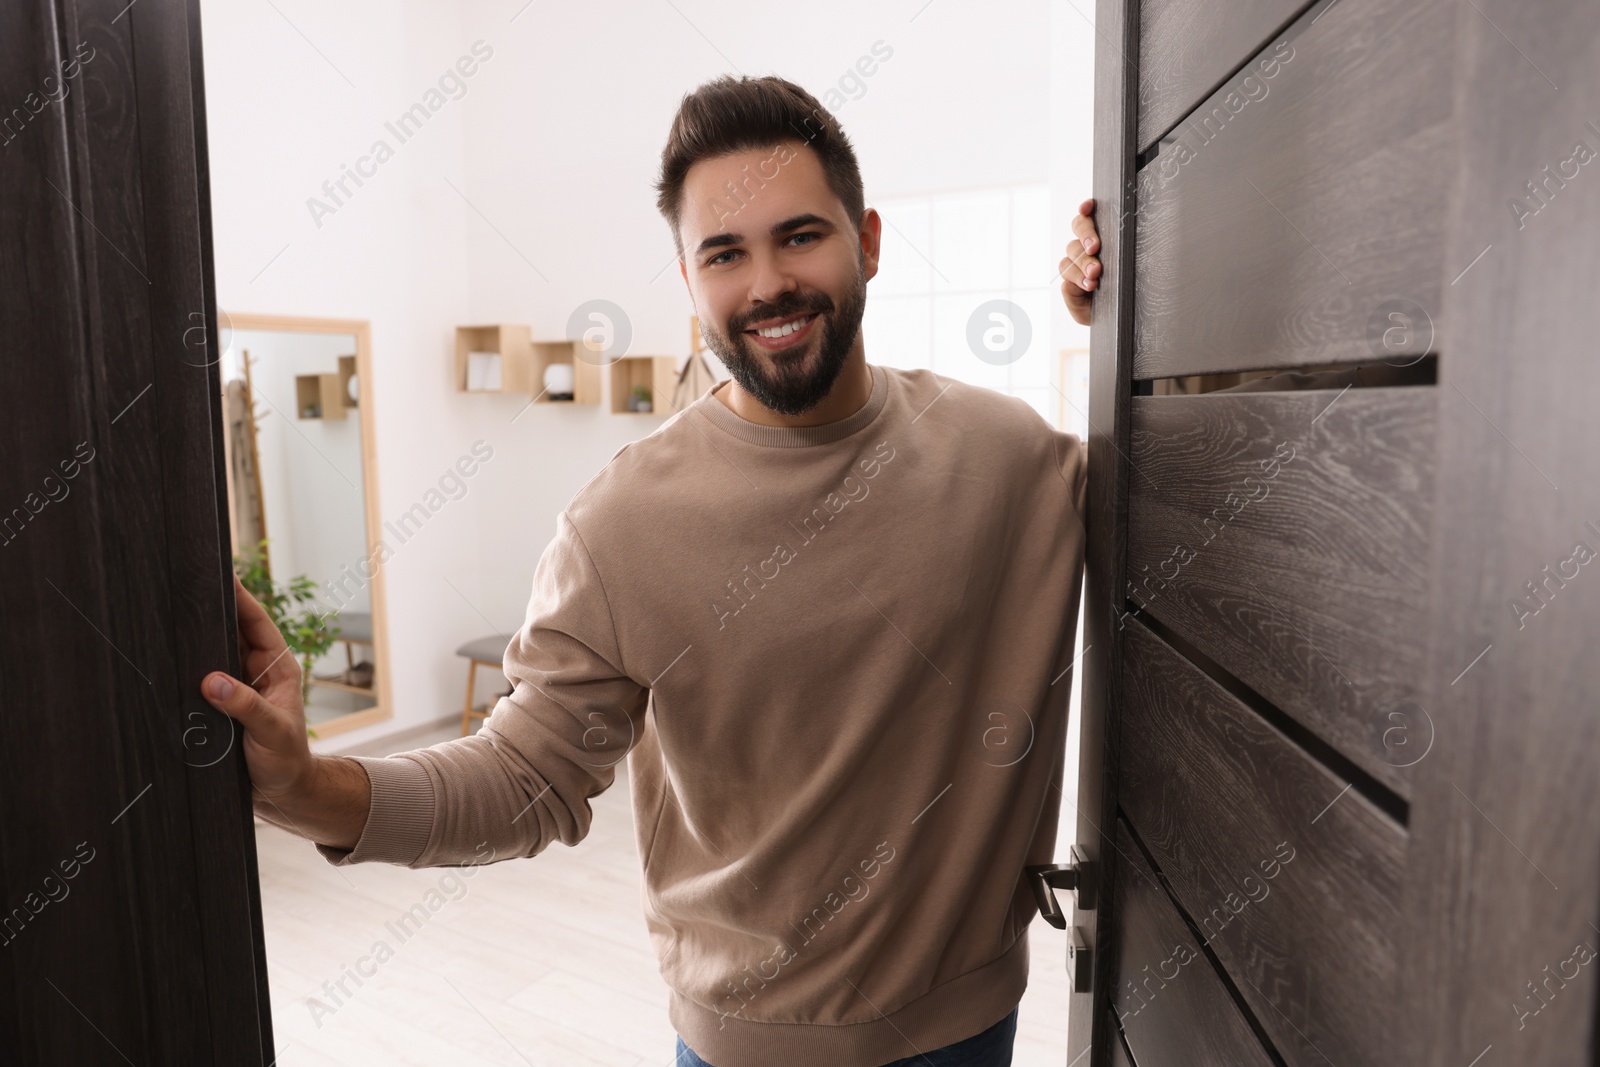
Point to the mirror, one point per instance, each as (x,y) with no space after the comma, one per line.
(302,499)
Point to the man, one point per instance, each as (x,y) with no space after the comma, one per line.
(828,609)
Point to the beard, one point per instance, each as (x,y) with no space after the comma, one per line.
(794,381)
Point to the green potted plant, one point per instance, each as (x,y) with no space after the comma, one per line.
(641,399)
(305,629)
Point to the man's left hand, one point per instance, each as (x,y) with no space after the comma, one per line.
(1080,269)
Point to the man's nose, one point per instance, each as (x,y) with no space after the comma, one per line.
(772,281)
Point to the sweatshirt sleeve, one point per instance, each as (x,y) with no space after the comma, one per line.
(1072,460)
(526,777)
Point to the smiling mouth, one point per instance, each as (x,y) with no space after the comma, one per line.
(785,334)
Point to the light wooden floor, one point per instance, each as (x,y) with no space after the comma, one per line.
(542,961)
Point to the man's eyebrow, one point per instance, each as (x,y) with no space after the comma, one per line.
(779,229)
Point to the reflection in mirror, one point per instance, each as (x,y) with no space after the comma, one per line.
(299,495)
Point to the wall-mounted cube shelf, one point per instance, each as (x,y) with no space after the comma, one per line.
(321,394)
(585,374)
(509,343)
(522,362)
(659,374)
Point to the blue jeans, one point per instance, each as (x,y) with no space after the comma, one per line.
(992,1048)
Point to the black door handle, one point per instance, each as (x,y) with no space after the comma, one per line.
(1080,876)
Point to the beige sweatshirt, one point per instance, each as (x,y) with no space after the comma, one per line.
(837,661)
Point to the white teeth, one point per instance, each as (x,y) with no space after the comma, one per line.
(786,329)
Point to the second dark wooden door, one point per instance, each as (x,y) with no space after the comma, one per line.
(1342,760)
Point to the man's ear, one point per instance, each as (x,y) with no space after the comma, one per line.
(871,235)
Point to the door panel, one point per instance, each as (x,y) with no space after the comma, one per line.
(1433,545)
(1505,846)
(1190,46)
(1292,876)
(131,925)
(1173,996)
(1277,235)
(1285,536)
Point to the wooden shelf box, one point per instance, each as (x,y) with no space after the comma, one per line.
(323,392)
(659,374)
(510,342)
(585,374)
(523,362)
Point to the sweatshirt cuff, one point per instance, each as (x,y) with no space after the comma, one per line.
(400,820)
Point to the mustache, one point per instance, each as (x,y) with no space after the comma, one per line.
(781,311)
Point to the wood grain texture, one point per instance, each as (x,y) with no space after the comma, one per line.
(117,590)
(1172,1006)
(1276,233)
(1293,879)
(1110,372)
(1285,535)
(1187,48)
(1503,879)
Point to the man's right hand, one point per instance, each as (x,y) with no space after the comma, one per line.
(325,799)
(270,708)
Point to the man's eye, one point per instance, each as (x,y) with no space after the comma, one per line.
(713,260)
(797,236)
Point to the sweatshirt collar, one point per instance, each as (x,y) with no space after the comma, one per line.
(721,416)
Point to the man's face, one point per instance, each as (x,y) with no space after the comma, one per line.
(776,250)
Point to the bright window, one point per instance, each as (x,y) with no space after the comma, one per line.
(946,254)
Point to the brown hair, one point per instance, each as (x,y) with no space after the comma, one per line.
(727,115)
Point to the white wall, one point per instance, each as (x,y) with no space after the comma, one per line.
(532,193)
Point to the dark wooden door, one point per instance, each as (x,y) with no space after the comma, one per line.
(130,930)
(1342,695)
